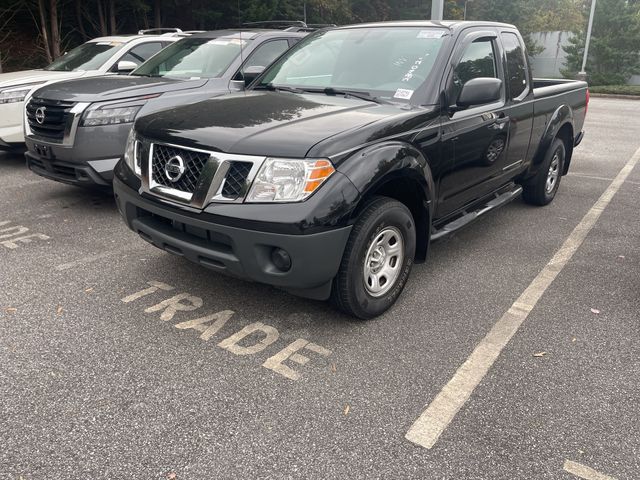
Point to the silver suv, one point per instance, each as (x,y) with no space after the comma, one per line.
(101,56)
(76,131)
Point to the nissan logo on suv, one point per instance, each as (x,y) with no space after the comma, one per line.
(174,168)
(40,115)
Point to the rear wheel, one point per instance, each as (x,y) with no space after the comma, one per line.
(377,259)
(542,189)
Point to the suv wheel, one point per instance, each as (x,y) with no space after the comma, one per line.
(544,186)
(377,259)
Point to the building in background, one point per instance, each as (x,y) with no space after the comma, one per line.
(547,64)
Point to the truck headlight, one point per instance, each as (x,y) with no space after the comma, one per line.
(131,157)
(289,180)
(14,96)
(109,116)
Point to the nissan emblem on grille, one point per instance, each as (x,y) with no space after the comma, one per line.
(174,168)
(40,115)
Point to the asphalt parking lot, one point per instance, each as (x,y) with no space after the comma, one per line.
(118,360)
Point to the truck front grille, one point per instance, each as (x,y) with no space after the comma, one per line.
(193,162)
(49,118)
(196,177)
(236,179)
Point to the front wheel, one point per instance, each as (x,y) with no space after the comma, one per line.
(377,259)
(544,186)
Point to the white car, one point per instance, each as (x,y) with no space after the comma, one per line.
(101,56)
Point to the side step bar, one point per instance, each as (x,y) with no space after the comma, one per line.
(497,201)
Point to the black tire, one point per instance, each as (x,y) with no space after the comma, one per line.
(385,218)
(538,191)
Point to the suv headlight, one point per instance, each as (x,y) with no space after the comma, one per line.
(109,116)
(14,95)
(289,180)
(131,153)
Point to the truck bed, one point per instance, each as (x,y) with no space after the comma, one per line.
(546,87)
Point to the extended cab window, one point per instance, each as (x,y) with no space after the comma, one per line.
(516,66)
(478,60)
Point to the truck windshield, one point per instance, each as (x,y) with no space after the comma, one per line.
(193,57)
(384,62)
(89,56)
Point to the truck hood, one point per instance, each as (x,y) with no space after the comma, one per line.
(15,79)
(264,123)
(115,87)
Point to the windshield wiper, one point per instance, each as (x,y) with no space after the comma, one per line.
(277,88)
(348,93)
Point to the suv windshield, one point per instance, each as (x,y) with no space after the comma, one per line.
(384,62)
(89,56)
(193,57)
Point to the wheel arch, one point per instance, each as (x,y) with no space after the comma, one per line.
(559,125)
(401,173)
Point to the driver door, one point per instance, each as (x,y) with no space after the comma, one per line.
(476,137)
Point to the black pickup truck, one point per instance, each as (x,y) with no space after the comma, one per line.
(333,172)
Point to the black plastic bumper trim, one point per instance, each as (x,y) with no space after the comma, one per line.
(240,252)
(64,172)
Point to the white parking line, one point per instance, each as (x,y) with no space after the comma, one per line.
(426,430)
(584,472)
(592,177)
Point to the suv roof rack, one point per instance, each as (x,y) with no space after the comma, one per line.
(275,24)
(289,25)
(160,31)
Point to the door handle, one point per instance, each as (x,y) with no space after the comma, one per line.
(499,122)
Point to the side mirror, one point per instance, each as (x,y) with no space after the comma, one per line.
(479,91)
(236,85)
(125,66)
(251,73)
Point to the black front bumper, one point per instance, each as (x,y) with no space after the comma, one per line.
(67,172)
(240,252)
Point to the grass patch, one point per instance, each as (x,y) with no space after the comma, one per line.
(633,90)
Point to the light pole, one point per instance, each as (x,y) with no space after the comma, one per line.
(437,9)
(582,74)
(465,8)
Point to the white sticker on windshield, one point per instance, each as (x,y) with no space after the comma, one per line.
(403,93)
(218,42)
(430,33)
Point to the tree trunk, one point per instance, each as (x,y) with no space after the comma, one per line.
(44,31)
(80,20)
(157,13)
(55,29)
(112,16)
(102,20)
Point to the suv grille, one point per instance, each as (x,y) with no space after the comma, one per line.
(235,180)
(53,124)
(194,162)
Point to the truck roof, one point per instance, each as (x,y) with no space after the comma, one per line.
(449,24)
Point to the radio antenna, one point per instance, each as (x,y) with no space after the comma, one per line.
(241,42)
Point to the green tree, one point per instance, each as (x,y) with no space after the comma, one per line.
(529,16)
(614,51)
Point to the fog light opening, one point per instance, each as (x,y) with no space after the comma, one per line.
(281,259)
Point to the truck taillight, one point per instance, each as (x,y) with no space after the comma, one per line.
(586,107)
